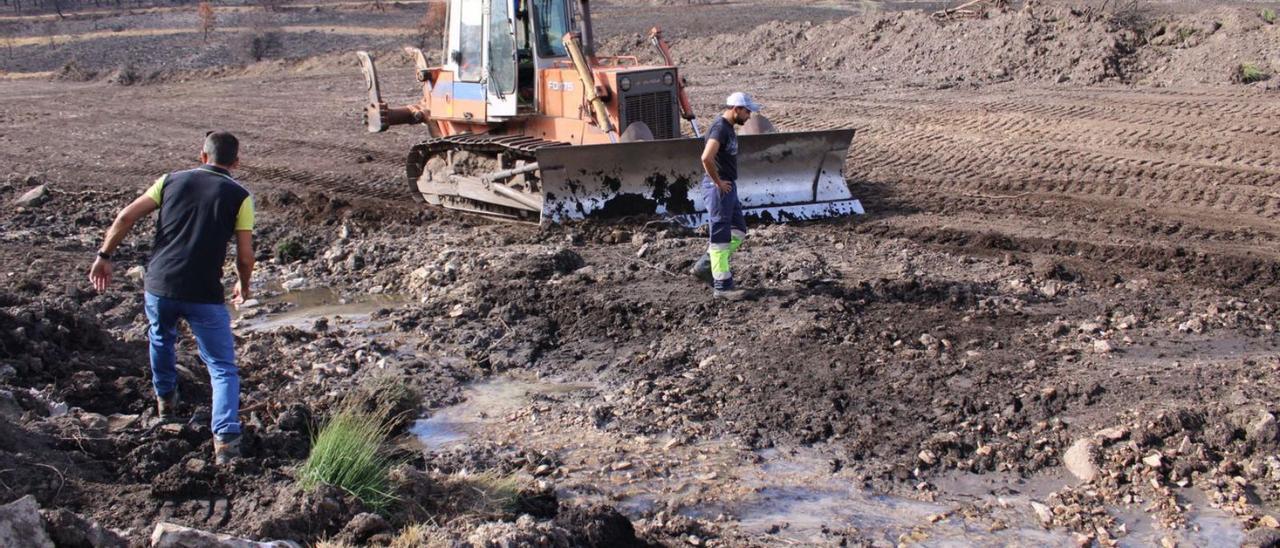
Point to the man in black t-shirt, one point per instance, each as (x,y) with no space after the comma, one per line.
(727,225)
(201,210)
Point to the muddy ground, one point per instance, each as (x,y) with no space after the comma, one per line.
(1068,268)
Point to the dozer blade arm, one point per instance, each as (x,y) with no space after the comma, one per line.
(783,177)
(375,111)
(420,63)
(590,89)
(377,115)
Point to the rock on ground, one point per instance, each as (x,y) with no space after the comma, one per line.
(169,535)
(21,526)
(33,197)
(1262,537)
(1079,460)
(67,529)
(365,525)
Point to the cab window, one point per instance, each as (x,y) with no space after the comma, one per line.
(551,23)
(502,54)
(471,42)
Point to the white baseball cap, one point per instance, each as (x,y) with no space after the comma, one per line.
(740,99)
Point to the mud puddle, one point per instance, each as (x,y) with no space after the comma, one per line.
(786,495)
(1010,498)
(905,5)
(796,499)
(486,403)
(1206,526)
(302,308)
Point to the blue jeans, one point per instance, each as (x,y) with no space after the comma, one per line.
(211,324)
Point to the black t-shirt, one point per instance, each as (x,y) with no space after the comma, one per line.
(199,212)
(727,156)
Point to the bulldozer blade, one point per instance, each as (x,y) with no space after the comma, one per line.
(782,177)
(375,108)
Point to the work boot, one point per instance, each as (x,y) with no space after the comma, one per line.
(702,269)
(167,406)
(729,294)
(225,448)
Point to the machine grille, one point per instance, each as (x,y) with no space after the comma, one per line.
(655,110)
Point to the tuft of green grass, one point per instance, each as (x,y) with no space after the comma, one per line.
(348,454)
(292,249)
(386,394)
(1248,73)
(1269,15)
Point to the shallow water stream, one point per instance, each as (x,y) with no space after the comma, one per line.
(789,495)
(486,404)
(305,306)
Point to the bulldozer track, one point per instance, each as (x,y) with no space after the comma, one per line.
(517,145)
(510,147)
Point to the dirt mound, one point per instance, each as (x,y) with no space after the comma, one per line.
(598,526)
(55,345)
(1031,45)
(1210,46)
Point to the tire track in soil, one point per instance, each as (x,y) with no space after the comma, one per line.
(1221,270)
(1178,181)
(343,185)
(961,166)
(273,152)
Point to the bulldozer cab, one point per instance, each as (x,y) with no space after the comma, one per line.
(496,49)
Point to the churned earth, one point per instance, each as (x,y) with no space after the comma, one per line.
(1056,325)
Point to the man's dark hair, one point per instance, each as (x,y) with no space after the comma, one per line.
(223,148)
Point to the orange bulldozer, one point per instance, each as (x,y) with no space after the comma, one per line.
(525,121)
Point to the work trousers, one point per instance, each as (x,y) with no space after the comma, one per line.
(728,227)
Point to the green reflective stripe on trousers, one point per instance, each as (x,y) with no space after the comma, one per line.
(735,244)
(720,263)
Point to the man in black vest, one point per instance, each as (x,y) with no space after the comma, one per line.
(200,210)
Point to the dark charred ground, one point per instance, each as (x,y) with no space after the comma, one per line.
(985,316)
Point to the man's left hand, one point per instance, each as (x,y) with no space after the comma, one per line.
(100,274)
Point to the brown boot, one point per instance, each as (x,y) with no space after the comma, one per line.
(225,448)
(167,406)
(729,294)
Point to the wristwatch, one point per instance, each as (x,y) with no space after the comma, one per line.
(104,255)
